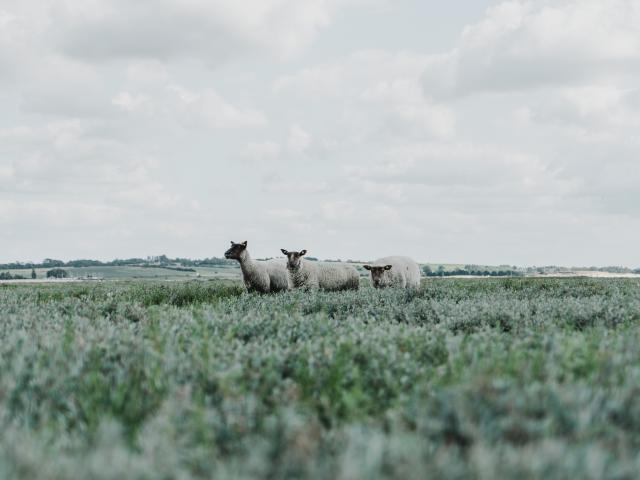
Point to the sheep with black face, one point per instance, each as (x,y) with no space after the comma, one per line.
(401,272)
(313,275)
(259,276)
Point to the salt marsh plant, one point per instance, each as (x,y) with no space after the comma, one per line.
(459,379)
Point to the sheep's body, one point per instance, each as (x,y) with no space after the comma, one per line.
(326,276)
(404,273)
(264,276)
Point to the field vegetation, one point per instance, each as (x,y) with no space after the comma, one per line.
(495,378)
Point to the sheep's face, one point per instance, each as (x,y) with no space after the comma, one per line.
(294,259)
(379,276)
(236,251)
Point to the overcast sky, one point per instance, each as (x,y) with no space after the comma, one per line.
(468,131)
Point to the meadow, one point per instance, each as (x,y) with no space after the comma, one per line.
(493,378)
(129,272)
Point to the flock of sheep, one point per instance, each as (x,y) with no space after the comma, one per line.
(277,275)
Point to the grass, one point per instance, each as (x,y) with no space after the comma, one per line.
(134,272)
(507,378)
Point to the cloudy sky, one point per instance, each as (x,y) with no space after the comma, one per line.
(469,131)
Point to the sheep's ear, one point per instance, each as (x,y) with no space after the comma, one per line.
(244,244)
(367,267)
(284,251)
(303,252)
(388,267)
(232,242)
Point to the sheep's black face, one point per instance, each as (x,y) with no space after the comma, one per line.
(378,275)
(236,250)
(293,258)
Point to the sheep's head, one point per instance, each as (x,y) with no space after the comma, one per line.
(236,250)
(378,275)
(293,258)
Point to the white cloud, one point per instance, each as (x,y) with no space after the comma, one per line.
(261,152)
(387,192)
(15,43)
(69,158)
(133,102)
(146,74)
(60,214)
(480,176)
(605,108)
(276,185)
(191,109)
(320,80)
(210,109)
(355,74)
(299,139)
(285,214)
(6,173)
(89,192)
(338,211)
(522,44)
(213,31)
(378,93)
(62,87)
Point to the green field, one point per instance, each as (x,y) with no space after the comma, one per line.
(136,272)
(503,378)
(129,272)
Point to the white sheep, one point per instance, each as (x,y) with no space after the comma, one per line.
(259,276)
(313,275)
(394,272)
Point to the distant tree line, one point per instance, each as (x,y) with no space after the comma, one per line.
(556,269)
(513,271)
(471,270)
(168,267)
(8,276)
(157,261)
(610,269)
(57,273)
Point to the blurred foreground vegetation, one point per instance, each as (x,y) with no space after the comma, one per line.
(499,378)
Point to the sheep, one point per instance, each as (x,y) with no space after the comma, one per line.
(263,276)
(326,276)
(394,272)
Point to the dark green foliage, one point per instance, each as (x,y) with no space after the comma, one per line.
(57,273)
(471,270)
(499,378)
(167,267)
(161,261)
(9,276)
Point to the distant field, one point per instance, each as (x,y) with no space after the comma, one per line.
(127,272)
(194,379)
(133,272)
(233,272)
